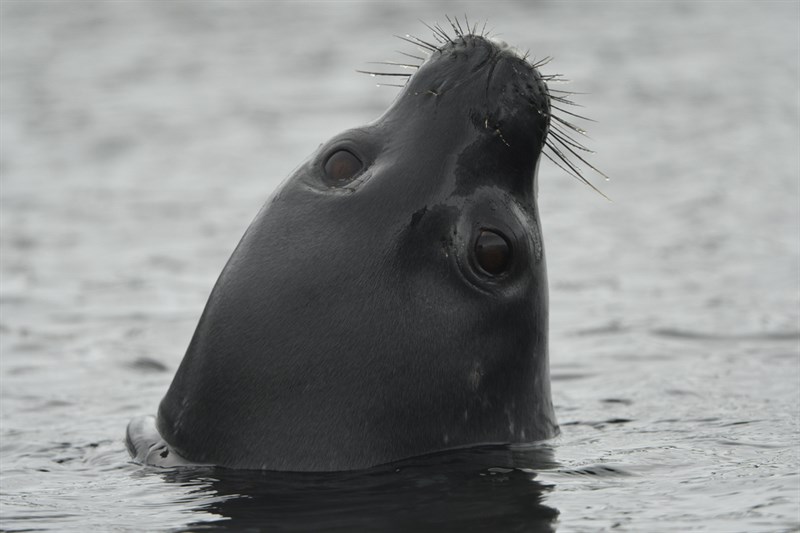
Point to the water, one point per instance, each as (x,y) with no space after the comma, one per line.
(140,138)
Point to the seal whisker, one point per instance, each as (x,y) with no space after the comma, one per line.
(560,110)
(393,64)
(567,134)
(565,101)
(460,29)
(560,140)
(570,168)
(555,78)
(438,33)
(432,47)
(466,23)
(580,157)
(389,85)
(410,55)
(560,91)
(542,62)
(399,74)
(569,124)
(559,127)
(455,29)
(574,171)
(443,32)
(563,138)
(423,44)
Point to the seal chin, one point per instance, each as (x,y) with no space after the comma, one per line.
(146,445)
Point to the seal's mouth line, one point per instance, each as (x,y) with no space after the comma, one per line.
(562,147)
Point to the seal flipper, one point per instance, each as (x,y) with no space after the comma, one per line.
(146,446)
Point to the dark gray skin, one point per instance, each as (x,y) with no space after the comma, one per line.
(354,324)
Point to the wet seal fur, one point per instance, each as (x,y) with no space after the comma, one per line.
(359,321)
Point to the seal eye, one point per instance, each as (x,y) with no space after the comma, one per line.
(492,252)
(341,167)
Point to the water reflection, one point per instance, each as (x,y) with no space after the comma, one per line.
(482,489)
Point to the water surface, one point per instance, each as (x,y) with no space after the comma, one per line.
(138,139)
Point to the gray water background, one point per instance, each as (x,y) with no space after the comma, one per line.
(138,139)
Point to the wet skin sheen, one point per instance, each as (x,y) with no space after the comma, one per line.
(390,299)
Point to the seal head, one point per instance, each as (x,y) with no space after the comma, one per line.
(390,299)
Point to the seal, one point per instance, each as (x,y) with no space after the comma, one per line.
(390,299)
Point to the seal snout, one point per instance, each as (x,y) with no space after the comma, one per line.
(492,81)
(504,46)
